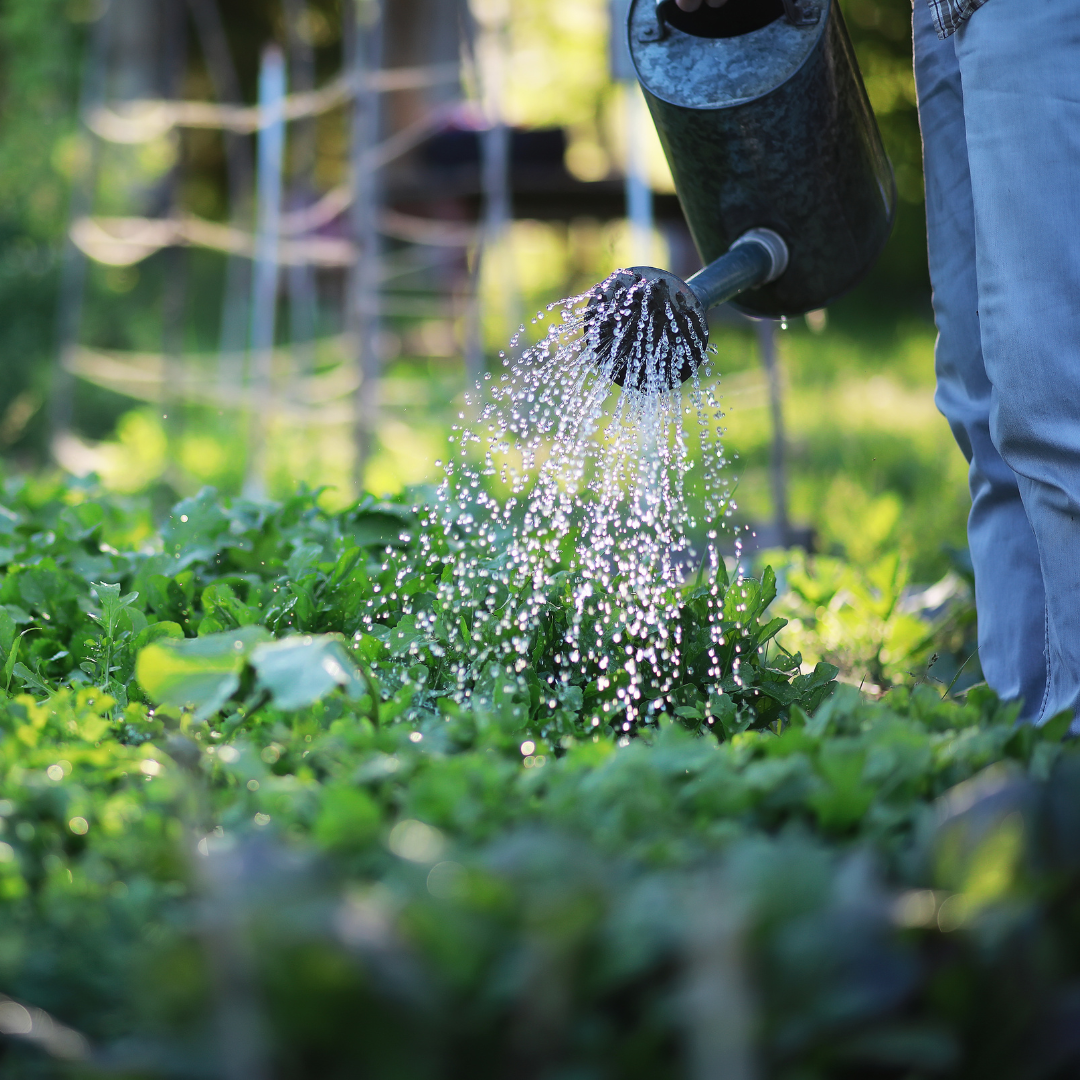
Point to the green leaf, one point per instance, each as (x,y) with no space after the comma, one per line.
(133,620)
(844,797)
(768,590)
(83,520)
(34,682)
(298,671)
(571,698)
(722,578)
(200,673)
(368,647)
(784,661)
(112,603)
(741,602)
(722,708)
(689,712)
(156,632)
(220,602)
(822,675)
(770,630)
(779,690)
(195,529)
(20,617)
(43,588)
(381,528)
(304,559)
(404,636)
(9,521)
(166,598)
(345,565)
(9,633)
(798,717)
(1057,727)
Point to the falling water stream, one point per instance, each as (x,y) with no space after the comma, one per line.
(564,487)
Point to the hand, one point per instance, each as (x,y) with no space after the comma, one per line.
(693,5)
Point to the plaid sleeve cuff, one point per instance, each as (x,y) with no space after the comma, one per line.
(949,15)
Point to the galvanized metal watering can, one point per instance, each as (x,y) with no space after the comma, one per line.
(776,156)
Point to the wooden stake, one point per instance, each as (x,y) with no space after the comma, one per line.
(365,47)
(264,288)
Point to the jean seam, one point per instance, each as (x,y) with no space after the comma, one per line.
(1049,673)
(1040,715)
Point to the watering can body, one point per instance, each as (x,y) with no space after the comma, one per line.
(769,128)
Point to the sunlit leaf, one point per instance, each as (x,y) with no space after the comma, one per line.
(200,673)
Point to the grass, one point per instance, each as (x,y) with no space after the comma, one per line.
(873,466)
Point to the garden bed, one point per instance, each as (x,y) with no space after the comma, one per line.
(258,820)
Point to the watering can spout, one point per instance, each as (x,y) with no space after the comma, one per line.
(756,258)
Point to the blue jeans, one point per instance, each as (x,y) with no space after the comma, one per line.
(999,105)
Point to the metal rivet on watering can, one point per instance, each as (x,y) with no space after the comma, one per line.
(765,122)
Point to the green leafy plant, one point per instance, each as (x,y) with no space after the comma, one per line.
(293,813)
(858,618)
(246,603)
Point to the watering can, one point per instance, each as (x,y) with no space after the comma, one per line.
(777,159)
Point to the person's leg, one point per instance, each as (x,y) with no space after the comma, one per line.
(1020,65)
(1008,580)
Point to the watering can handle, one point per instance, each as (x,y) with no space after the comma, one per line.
(797,12)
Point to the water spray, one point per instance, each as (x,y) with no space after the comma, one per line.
(562,488)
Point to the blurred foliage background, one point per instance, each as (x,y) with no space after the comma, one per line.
(873,467)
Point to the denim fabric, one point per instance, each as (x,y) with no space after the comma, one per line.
(1001,143)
